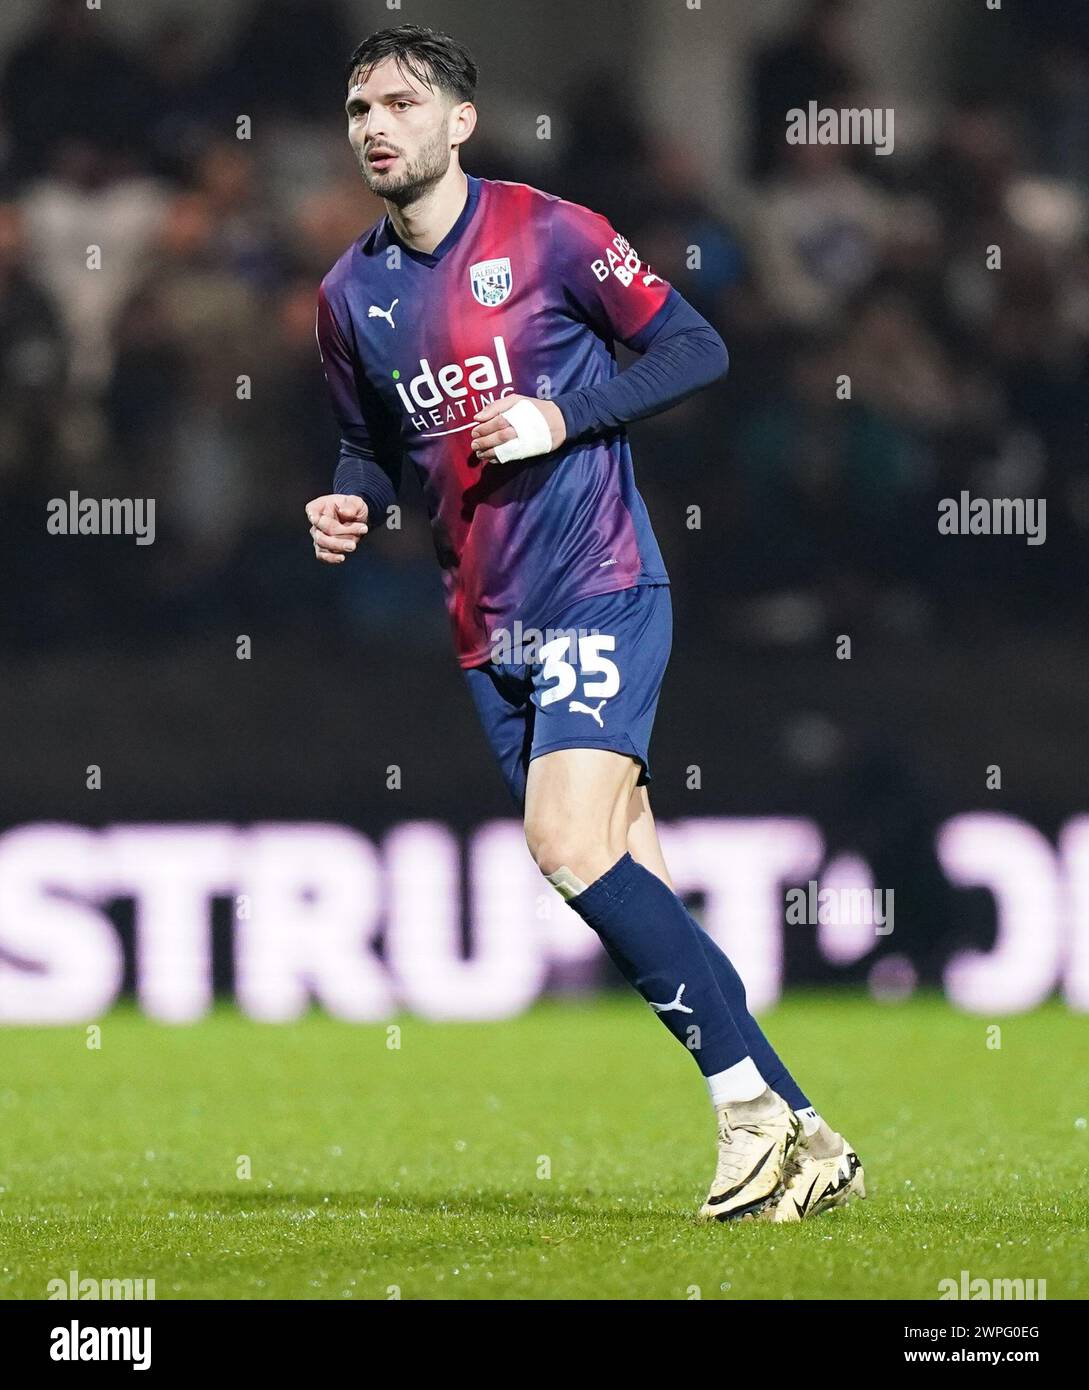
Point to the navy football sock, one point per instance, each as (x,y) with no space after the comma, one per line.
(656,945)
(732,988)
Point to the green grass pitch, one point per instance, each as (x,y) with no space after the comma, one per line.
(559,1155)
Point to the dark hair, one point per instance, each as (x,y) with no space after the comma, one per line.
(435,59)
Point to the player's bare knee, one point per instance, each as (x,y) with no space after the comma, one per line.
(576,858)
(549,849)
(549,846)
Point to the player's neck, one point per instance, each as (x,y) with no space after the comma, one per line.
(423,224)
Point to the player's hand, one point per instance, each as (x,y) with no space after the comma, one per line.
(492,428)
(337,524)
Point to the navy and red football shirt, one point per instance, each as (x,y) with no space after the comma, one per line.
(526,294)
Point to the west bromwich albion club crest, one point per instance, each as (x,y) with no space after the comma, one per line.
(491,281)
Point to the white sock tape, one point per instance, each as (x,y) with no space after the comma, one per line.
(811,1121)
(533,435)
(740,1082)
(567,884)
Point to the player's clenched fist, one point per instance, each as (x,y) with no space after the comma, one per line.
(337,523)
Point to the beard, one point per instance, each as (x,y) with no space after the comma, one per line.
(410,178)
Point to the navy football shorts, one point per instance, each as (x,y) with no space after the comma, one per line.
(589,680)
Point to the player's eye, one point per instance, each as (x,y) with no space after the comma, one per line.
(402,103)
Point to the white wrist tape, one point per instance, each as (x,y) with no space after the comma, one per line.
(533,435)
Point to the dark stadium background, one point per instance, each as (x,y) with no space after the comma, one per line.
(818,516)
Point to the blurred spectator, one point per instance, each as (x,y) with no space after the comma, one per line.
(607,150)
(67,71)
(91,226)
(248,241)
(289,59)
(826,477)
(819,232)
(896,366)
(682,235)
(32,358)
(204,319)
(813,62)
(189,102)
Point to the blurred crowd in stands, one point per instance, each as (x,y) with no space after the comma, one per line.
(829,262)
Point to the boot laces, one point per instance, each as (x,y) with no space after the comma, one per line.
(735,1159)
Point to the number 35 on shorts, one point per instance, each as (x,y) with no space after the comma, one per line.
(599,676)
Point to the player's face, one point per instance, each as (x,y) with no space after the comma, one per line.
(400,132)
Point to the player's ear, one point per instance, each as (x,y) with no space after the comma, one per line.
(462,122)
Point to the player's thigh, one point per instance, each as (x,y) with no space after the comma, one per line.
(577,809)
